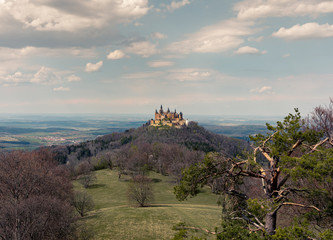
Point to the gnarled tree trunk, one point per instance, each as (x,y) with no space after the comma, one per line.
(270,223)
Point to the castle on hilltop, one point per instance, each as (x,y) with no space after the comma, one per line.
(168,118)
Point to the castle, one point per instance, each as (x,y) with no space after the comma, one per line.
(168,118)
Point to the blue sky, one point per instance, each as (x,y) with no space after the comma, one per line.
(216,57)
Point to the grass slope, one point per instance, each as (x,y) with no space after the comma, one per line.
(115,218)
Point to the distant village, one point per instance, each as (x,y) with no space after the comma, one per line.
(168,118)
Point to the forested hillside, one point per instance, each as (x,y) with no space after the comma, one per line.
(165,150)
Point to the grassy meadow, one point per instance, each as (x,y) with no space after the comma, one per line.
(115,218)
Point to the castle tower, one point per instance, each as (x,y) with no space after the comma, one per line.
(161,110)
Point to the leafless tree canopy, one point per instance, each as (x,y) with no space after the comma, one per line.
(35,197)
(140,190)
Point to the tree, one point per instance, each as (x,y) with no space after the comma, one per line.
(284,162)
(140,190)
(83,203)
(87,179)
(35,196)
(321,120)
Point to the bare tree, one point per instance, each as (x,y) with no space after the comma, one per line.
(35,197)
(321,119)
(140,190)
(87,179)
(83,203)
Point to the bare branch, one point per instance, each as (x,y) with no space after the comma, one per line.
(301,205)
(314,148)
(271,160)
(298,143)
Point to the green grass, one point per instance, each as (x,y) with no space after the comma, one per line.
(115,218)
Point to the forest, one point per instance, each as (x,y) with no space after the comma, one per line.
(276,185)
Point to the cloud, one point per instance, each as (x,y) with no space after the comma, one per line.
(305,31)
(286,55)
(177,4)
(248,50)
(45,76)
(157,35)
(61,89)
(214,39)
(143,75)
(264,89)
(61,15)
(254,9)
(73,78)
(116,55)
(257,39)
(189,74)
(144,48)
(30,51)
(91,67)
(156,64)
(15,79)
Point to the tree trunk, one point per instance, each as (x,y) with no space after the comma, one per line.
(270,223)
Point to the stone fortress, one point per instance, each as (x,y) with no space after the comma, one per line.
(168,118)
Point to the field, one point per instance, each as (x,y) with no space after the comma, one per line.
(115,218)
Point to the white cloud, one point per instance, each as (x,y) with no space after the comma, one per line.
(177,4)
(305,31)
(157,35)
(189,74)
(157,64)
(145,48)
(25,52)
(58,15)
(264,89)
(248,50)
(216,38)
(116,55)
(143,75)
(286,55)
(61,89)
(15,79)
(253,9)
(91,67)
(45,76)
(73,78)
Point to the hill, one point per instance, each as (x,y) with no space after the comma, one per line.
(193,137)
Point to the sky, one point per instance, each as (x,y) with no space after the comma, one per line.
(207,57)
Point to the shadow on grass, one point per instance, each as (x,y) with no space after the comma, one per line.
(158,205)
(123,180)
(93,186)
(156,180)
